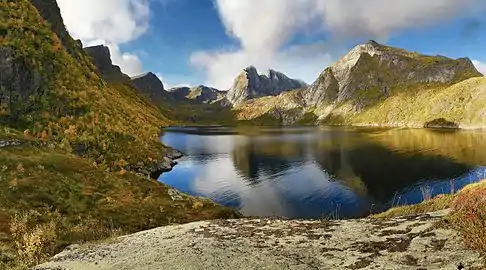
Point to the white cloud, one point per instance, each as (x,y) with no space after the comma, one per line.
(108,22)
(302,62)
(263,28)
(481,67)
(115,21)
(169,81)
(129,63)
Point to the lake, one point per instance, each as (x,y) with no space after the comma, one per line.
(322,172)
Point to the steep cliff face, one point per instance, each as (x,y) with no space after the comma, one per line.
(198,94)
(151,86)
(101,58)
(372,71)
(249,84)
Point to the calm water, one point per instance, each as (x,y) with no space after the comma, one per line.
(322,172)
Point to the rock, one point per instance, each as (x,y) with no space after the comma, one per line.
(149,85)
(9,143)
(200,94)
(414,242)
(441,123)
(369,71)
(101,58)
(249,84)
(173,153)
(154,170)
(18,81)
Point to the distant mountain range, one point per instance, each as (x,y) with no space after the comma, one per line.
(372,84)
(378,85)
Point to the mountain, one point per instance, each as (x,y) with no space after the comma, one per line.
(378,85)
(249,84)
(198,94)
(78,153)
(372,71)
(151,86)
(101,58)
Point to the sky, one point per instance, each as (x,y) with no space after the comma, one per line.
(193,42)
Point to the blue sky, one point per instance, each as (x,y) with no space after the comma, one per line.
(190,42)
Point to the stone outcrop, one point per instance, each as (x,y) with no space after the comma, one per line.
(101,58)
(372,71)
(198,94)
(9,143)
(249,84)
(18,81)
(414,242)
(151,86)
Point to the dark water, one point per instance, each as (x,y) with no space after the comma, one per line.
(323,172)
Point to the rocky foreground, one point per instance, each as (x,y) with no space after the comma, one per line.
(400,243)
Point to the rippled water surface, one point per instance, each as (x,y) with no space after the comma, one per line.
(322,172)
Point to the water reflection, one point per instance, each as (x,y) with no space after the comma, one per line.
(314,172)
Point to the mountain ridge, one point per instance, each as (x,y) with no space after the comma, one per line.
(373,65)
(250,84)
(375,84)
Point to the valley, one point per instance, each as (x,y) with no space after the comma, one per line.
(86,155)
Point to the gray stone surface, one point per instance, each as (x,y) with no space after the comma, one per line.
(399,243)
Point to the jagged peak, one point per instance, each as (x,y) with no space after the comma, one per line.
(372,42)
(146,74)
(250,69)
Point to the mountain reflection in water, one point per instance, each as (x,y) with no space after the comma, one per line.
(314,172)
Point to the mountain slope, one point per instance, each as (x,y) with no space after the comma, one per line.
(249,84)
(372,71)
(75,149)
(150,86)
(101,58)
(380,85)
(198,94)
(52,95)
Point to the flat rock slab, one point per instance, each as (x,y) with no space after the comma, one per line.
(399,243)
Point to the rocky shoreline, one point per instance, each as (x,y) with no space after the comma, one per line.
(154,170)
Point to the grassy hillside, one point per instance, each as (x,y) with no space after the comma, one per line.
(69,104)
(284,109)
(64,179)
(462,103)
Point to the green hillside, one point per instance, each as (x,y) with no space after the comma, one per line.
(70,143)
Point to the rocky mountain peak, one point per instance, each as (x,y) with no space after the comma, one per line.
(101,58)
(198,94)
(371,70)
(249,84)
(149,85)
